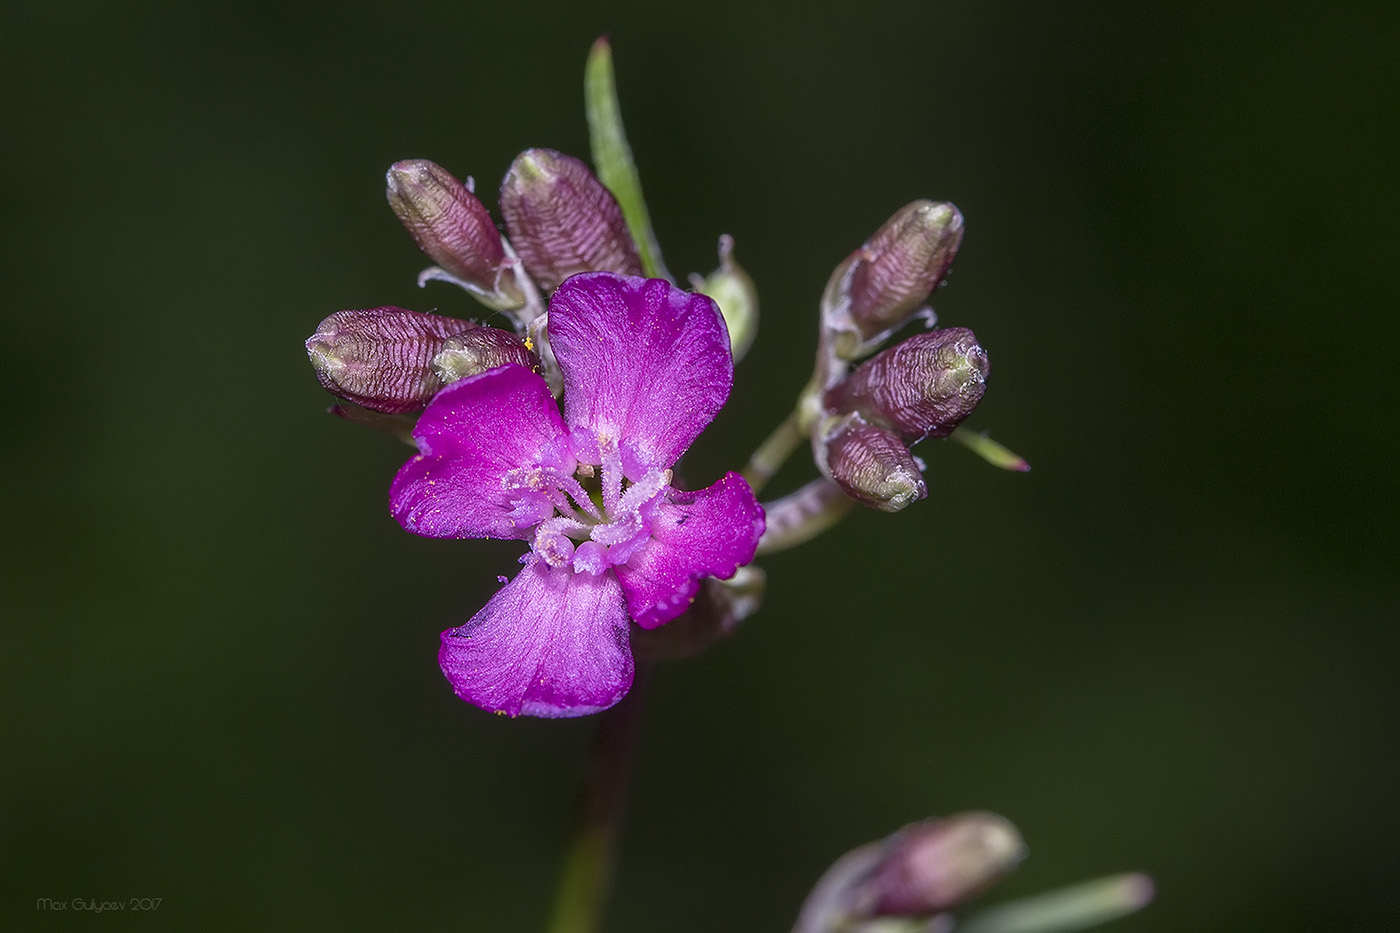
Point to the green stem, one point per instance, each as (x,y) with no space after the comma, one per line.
(588,865)
(770,456)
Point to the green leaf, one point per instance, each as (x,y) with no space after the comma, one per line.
(990,451)
(1074,908)
(612,156)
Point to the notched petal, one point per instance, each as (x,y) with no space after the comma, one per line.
(550,643)
(472,435)
(643,361)
(710,533)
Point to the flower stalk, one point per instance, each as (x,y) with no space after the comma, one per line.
(800,516)
(775,450)
(586,876)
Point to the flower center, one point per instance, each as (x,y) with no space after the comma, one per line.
(591,503)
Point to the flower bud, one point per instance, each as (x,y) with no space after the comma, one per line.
(562,220)
(733,290)
(381,357)
(925,868)
(453,228)
(872,466)
(882,284)
(939,864)
(923,387)
(478,350)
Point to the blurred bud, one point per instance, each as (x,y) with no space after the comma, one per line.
(562,220)
(478,350)
(381,358)
(872,466)
(925,868)
(733,290)
(453,228)
(935,865)
(882,284)
(923,387)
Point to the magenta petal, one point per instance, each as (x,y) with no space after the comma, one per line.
(642,360)
(710,533)
(549,643)
(473,433)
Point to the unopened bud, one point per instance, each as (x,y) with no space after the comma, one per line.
(381,358)
(872,466)
(733,290)
(478,350)
(882,284)
(922,387)
(453,228)
(924,869)
(939,864)
(562,220)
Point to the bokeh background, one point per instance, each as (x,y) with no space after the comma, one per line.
(1167,648)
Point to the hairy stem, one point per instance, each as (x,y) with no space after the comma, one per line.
(802,515)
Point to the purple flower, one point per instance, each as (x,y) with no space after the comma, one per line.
(645,367)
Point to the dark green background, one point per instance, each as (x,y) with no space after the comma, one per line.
(1168,648)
